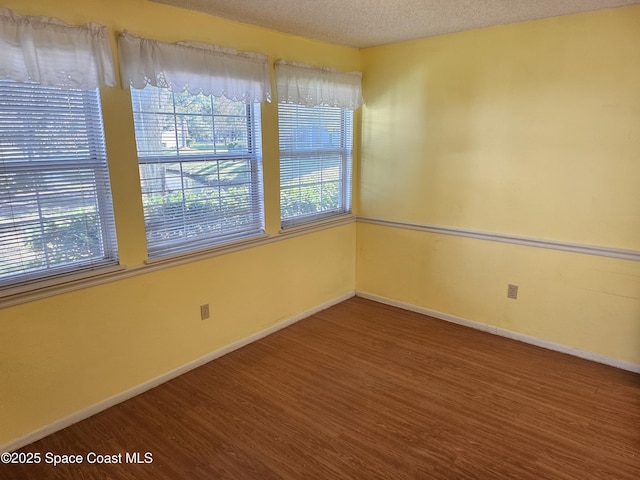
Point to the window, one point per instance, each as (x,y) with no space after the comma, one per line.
(55,203)
(315,117)
(56,215)
(315,162)
(196,112)
(200,169)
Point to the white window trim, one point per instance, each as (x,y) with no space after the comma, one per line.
(346,153)
(159,250)
(34,158)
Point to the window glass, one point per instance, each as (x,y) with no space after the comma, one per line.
(315,162)
(200,169)
(56,212)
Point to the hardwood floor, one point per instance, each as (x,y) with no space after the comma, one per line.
(367,391)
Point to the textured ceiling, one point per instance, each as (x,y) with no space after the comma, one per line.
(365,23)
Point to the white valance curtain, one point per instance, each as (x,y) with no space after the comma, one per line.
(50,52)
(310,86)
(194,67)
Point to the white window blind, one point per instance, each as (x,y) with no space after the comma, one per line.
(55,203)
(200,169)
(315,162)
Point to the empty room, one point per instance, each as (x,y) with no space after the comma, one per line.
(320,239)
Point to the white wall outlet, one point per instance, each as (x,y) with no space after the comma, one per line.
(512,291)
(204,311)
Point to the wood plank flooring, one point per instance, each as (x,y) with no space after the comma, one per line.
(367,391)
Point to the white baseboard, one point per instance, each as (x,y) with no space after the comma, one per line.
(137,390)
(594,357)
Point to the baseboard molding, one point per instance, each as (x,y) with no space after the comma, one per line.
(594,357)
(137,390)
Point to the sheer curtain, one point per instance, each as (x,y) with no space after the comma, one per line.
(310,86)
(194,67)
(50,52)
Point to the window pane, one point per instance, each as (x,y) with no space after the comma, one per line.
(200,169)
(315,162)
(55,204)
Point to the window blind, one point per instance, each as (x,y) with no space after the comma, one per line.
(200,169)
(316,146)
(56,214)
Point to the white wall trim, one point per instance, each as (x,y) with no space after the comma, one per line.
(619,253)
(594,357)
(137,390)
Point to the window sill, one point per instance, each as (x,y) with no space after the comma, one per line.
(207,252)
(37,290)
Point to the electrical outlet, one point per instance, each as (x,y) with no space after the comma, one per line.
(512,291)
(204,311)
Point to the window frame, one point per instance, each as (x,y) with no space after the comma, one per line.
(158,251)
(47,167)
(344,151)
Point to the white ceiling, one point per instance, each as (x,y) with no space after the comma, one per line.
(365,23)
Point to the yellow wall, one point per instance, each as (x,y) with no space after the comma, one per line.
(63,354)
(529,129)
